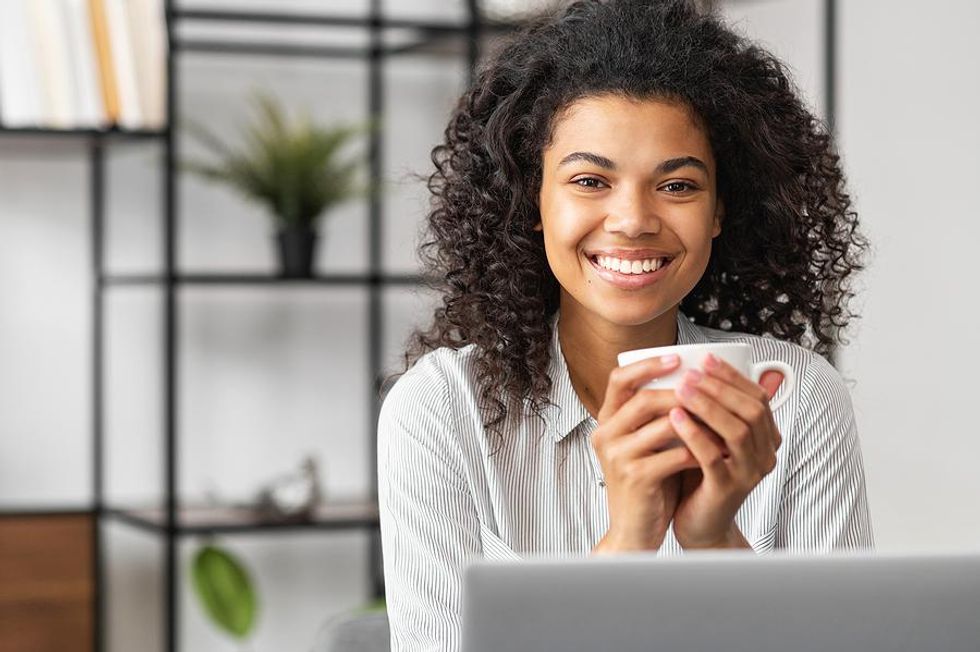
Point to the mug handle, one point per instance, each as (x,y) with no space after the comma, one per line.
(788,384)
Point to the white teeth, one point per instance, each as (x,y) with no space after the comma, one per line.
(630,266)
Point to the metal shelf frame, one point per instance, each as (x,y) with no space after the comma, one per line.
(173,520)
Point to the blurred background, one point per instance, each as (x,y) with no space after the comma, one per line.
(104,358)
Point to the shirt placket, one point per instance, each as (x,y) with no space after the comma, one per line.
(588,427)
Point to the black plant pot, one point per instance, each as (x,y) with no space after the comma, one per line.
(297,247)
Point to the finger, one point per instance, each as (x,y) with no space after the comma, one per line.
(718,368)
(703,445)
(737,433)
(751,411)
(661,466)
(770,381)
(624,381)
(654,437)
(644,406)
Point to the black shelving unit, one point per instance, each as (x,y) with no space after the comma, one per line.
(174,520)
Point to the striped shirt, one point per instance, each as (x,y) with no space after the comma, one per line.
(444,499)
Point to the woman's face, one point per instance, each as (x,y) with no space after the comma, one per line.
(627,186)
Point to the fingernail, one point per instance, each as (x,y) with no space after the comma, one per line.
(669,359)
(710,362)
(687,391)
(693,376)
(678,415)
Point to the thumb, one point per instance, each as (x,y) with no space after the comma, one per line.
(770,381)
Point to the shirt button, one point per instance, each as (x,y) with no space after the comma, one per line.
(602,483)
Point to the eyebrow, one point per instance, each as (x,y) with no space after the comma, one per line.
(665,167)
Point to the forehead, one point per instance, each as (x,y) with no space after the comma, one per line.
(621,128)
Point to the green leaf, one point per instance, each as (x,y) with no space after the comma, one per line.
(225,591)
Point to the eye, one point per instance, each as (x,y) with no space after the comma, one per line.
(579,183)
(680,186)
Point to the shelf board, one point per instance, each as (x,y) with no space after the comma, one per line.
(204,14)
(48,132)
(436,44)
(340,514)
(45,511)
(270,49)
(266,279)
(427,37)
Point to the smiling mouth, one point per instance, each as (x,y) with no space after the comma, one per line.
(630,267)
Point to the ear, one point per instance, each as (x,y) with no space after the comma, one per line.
(719,218)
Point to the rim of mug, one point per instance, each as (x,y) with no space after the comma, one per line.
(673,347)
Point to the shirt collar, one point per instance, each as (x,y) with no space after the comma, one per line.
(565,411)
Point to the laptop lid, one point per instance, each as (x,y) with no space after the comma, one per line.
(725,601)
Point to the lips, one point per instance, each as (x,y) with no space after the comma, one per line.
(629,254)
(629,281)
(627,266)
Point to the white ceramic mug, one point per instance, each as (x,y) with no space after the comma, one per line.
(737,354)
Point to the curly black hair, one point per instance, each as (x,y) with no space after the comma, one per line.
(790,243)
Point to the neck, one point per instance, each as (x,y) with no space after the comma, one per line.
(590,346)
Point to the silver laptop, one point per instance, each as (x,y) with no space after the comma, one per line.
(725,602)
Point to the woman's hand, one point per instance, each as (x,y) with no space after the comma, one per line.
(735,445)
(641,470)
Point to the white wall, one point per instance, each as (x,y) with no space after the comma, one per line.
(909,95)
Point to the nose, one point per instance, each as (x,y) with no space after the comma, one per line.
(631,213)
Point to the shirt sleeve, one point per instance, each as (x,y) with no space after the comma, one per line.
(429,524)
(824,504)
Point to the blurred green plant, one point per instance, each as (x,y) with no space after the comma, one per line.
(294,169)
(225,591)
(379,604)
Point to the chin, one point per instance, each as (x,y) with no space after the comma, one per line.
(629,313)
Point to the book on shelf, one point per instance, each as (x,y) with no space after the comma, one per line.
(83,64)
(121,51)
(146,21)
(85,72)
(51,50)
(103,56)
(20,92)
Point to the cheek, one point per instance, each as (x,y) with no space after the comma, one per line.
(566,229)
(570,236)
(560,252)
(698,238)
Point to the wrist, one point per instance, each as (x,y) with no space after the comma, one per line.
(732,539)
(616,542)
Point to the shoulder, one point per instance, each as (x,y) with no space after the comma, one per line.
(433,383)
(824,396)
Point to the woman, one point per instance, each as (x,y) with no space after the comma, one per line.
(622,175)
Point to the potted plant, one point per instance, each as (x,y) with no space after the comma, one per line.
(294,169)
